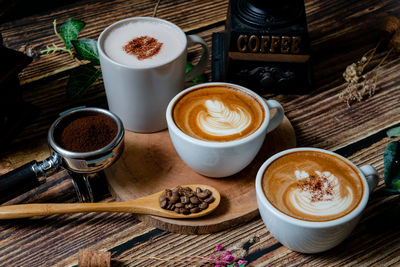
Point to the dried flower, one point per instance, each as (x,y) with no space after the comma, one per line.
(242,262)
(394,42)
(225,258)
(391,25)
(359,85)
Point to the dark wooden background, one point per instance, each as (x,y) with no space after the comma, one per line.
(340,32)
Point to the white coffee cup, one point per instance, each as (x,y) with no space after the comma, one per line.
(312,236)
(220,159)
(139,95)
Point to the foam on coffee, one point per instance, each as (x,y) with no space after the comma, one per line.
(218,113)
(312,186)
(172,40)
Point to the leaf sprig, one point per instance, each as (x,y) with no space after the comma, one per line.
(54,48)
(82,77)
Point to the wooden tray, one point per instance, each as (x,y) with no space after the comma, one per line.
(150,163)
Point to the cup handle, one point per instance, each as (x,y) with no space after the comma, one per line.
(199,68)
(371,175)
(278,116)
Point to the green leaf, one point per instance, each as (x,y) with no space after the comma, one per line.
(394,132)
(70,31)
(391,160)
(80,79)
(87,49)
(199,79)
(189,67)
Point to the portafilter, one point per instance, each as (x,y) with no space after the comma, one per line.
(78,164)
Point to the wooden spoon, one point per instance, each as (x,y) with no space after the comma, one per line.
(145,205)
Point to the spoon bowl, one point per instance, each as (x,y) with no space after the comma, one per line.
(146,205)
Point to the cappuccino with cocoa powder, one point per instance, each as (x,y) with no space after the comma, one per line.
(142,42)
(218,113)
(312,186)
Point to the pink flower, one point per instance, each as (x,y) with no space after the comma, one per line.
(229,258)
(242,262)
(218,248)
(228,252)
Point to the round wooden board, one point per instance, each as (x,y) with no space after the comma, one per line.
(150,163)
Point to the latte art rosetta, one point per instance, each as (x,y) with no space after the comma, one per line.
(319,194)
(218,113)
(219,120)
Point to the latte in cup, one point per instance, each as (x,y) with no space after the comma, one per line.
(312,186)
(218,113)
(141,43)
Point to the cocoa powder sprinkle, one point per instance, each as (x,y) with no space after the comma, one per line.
(318,186)
(143,47)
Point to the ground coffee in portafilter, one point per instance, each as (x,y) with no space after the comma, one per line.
(184,200)
(86,133)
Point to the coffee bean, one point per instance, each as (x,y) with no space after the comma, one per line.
(162,198)
(176,189)
(194,200)
(163,204)
(174,197)
(209,200)
(202,195)
(168,193)
(179,205)
(195,210)
(203,205)
(187,192)
(181,191)
(185,199)
(184,211)
(206,193)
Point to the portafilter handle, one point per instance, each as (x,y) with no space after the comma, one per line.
(27,177)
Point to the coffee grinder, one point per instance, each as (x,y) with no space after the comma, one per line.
(265,47)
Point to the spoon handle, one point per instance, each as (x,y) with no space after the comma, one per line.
(29,210)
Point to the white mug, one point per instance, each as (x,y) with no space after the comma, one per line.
(221,159)
(307,236)
(140,95)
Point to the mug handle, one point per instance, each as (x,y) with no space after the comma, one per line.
(278,116)
(371,175)
(199,68)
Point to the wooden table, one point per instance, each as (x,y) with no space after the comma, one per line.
(340,31)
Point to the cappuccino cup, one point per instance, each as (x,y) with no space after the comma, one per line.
(143,63)
(311,199)
(218,128)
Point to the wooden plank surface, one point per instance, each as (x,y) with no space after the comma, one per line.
(340,32)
